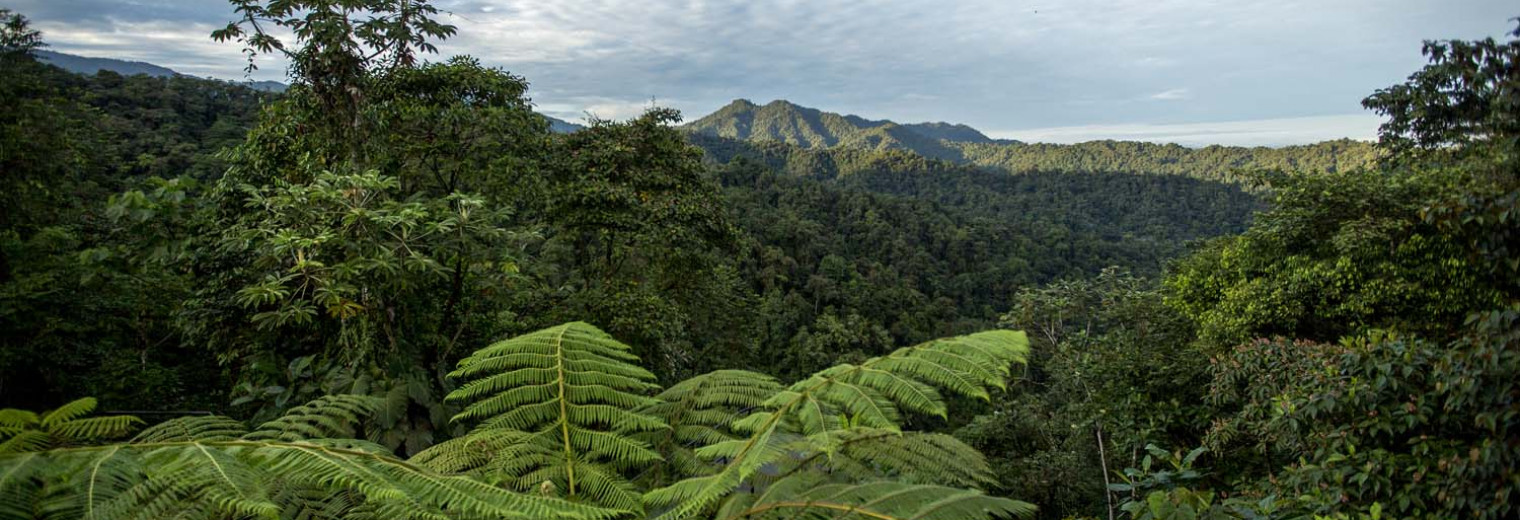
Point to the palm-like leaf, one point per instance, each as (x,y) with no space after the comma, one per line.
(251,479)
(326,417)
(699,411)
(574,389)
(871,394)
(193,428)
(67,425)
(806,497)
(864,455)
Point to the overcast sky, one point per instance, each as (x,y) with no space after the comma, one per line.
(1189,71)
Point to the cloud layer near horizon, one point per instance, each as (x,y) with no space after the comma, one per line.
(1193,71)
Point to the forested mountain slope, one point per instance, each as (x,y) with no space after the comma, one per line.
(837,251)
(394,291)
(784,122)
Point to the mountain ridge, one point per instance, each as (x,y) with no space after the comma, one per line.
(783,121)
(786,123)
(90,65)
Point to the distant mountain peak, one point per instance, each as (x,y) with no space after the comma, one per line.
(785,121)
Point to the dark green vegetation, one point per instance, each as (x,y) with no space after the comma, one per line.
(396,292)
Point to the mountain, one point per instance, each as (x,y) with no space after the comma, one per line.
(560,126)
(90,66)
(808,128)
(783,121)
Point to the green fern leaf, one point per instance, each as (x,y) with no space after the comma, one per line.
(22,431)
(68,412)
(332,416)
(699,411)
(575,390)
(860,395)
(193,428)
(805,496)
(862,455)
(254,479)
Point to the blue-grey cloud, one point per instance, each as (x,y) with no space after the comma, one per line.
(1005,66)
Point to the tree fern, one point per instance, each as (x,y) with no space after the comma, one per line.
(574,389)
(699,411)
(863,455)
(872,394)
(193,428)
(241,479)
(68,425)
(805,497)
(326,417)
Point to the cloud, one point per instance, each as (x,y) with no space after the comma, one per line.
(988,63)
(1172,95)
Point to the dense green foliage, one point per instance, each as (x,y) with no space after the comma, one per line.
(555,410)
(1351,355)
(395,291)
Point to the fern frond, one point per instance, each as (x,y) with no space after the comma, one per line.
(805,496)
(22,431)
(699,411)
(244,479)
(872,394)
(473,451)
(576,391)
(108,427)
(193,428)
(331,416)
(11,418)
(862,455)
(68,412)
(26,440)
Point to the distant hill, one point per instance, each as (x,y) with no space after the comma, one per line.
(785,122)
(88,65)
(812,129)
(91,66)
(560,126)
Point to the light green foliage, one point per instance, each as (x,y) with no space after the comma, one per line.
(821,410)
(301,465)
(863,454)
(811,496)
(575,390)
(558,409)
(255,479)
(68,425)
(699,412)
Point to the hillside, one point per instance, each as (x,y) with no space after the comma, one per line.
(784,122)
(90,66)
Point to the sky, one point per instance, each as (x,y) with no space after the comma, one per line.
(1194,72)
